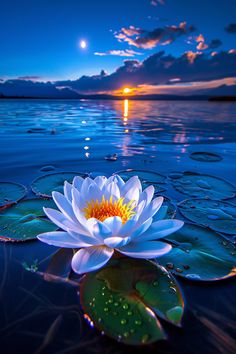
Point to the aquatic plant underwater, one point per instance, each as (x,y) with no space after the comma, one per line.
(121,236)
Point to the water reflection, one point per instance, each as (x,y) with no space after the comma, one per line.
(126,108)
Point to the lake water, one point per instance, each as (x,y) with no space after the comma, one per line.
(73,135)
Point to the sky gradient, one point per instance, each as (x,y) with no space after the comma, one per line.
(162,42)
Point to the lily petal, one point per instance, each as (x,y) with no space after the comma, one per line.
(91,258)
(77,182)
(150,210)
(141,229)
(133,182)
(98,229)
(113,223)
(78,204)
(120,182)
(111,190)
(64,205)
(149,249)
(68,190)
(61,239)
(147,194)
(100,181)
(115,242)
(60,220)
(160,229)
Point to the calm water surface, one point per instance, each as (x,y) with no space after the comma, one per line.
(76,136)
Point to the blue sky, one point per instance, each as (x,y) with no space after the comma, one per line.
(41,38)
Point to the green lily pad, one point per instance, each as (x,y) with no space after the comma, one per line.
(149,177)
(122,299)
(217,215)
(205,156)
(200,254)
(25,220)
(11,193)
(45,185)
(202,186)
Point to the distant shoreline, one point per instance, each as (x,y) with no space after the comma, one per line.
(134,98)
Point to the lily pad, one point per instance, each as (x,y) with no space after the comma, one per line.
(11,193)
(217,215)
(149,177)
(25,220)
(202,186)
(205,156)
(45,185)
(123,298)
(200,254)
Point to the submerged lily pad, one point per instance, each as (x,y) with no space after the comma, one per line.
(11,192)
(218,215)
(25,220)
(200,254)
(205,156)
(45,185)
(123,298)
(202,186)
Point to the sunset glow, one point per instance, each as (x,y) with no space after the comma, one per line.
(126,90)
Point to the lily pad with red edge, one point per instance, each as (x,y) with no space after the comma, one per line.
(125,298)
(25,220)
(202,186)
(11,193)
(199,254)
(44,185)
(217,215)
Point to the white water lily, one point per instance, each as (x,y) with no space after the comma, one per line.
(103,215)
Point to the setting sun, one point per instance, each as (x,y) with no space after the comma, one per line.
(126,90)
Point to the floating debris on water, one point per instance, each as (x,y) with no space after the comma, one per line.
(111,157)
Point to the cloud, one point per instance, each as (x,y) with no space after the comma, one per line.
(157,2)
(145,39)
(160,69)
(31,78)
(120,53)
(202,45)
(215,43)
(157,69)
(231,28)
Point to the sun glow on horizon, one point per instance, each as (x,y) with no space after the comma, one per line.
(126,90)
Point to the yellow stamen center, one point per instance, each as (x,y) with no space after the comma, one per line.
(106,208)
